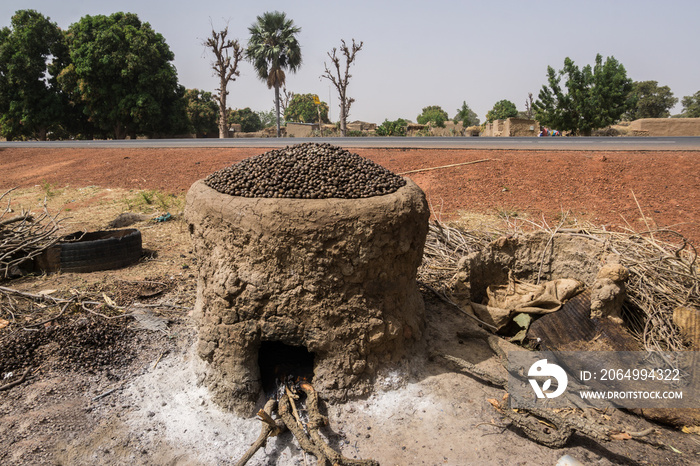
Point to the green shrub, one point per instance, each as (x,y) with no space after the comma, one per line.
(433,114)
(392,128)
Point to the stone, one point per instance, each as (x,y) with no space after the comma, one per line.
(608,292)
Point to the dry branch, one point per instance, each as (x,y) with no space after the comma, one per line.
(529,420)
(662,265)
(444,166)
(270,428)
(530,425)
(24,236)
(304,441)
(308,436)
(474,370)
(16,382)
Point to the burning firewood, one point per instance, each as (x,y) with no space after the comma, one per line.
(307,435)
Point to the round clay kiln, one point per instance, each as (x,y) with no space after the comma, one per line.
(329,281)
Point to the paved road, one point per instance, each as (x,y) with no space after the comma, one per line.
(530,143)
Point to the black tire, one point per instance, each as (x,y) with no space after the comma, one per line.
(100,250)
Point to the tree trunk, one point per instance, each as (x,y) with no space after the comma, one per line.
(119,131)
(343,119)
(277,107)
(223,126)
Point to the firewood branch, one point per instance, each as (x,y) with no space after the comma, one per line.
(304,441)
(16,382)
(530,420)
(25,236)
(318,420)
(270,428)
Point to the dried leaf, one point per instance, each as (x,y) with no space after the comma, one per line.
(691,430)
(109,301)
(46,292)
(4,323)
(494,403)
(620,436)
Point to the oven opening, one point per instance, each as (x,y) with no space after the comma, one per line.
(280,363)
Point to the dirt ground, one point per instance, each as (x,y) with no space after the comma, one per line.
(613,188)
(119,385)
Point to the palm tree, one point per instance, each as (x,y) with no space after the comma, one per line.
(273,47)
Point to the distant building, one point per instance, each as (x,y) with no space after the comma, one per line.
(512,127)
(660,127)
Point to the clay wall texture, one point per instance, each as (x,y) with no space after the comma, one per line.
(661,127)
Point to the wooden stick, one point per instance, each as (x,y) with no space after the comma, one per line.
(472,369)
(265,417)
(267,430)
(317,420)
(16,382)
(292,397)
(17,218)
(304,441)
(445,166)
(44,322)
(553,438)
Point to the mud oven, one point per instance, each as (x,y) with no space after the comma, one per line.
(298,278)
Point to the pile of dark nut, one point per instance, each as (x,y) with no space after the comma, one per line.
(306,171)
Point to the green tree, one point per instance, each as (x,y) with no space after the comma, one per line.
(502,110)
(595,97)
(392,128)
(466,115)
(433,114)
(304,109)
(272,48)
(32,53)
(267,118)
(248,119)
(691,106)
(124,76)
(202,112)
(650,100)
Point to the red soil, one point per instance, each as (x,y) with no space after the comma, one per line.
(607,188)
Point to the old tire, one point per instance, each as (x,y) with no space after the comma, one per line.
(100,250)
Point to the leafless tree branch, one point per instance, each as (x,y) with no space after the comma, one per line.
(227,53)
(341,79)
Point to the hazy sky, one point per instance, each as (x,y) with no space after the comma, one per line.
(420,53)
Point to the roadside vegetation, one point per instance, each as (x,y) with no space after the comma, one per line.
(54,84)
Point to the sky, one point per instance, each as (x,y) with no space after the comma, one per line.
(419,53)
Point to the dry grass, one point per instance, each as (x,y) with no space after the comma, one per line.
(662,265)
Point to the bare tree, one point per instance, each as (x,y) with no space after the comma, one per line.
(528,106)
(285,98)
(228,53)
(340,80)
